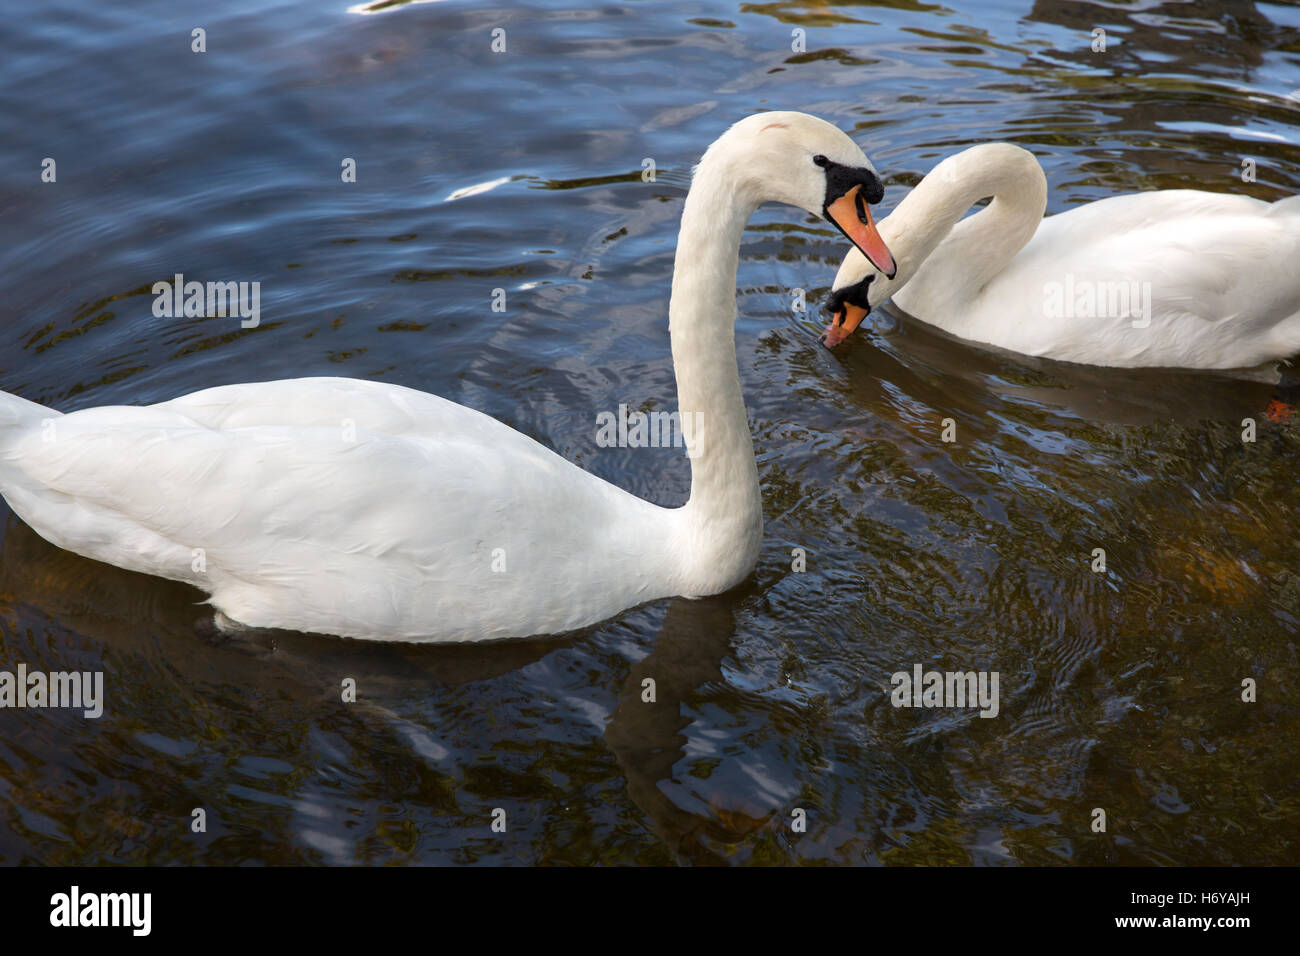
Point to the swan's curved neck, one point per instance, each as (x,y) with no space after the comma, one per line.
(724,512)
(976,249)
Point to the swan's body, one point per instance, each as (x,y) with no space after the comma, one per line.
(1176,278)
(261,495)
(375,511)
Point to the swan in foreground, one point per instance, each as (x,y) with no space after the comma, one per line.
(374,511)
(1176,278)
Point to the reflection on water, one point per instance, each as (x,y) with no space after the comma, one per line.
(522,170)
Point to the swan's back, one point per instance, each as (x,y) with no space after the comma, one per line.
(1218,271)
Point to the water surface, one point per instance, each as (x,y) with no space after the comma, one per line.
(1119,690)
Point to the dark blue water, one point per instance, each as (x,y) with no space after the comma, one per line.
(1119,691)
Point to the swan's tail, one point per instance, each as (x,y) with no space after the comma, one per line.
(19,412)
(19,419)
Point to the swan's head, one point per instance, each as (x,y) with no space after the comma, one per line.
(850,300)
(804,161)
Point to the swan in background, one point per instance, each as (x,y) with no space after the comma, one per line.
(1176,278)
(375,511)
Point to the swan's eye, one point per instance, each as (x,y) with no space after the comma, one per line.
(821,161)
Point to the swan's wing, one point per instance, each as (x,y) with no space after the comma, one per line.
(344,403)
(306,504)
(1218,272)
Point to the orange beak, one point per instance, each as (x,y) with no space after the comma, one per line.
(852,216)
(843,324)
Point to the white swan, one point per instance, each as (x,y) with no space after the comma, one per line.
(1176,278)
(374,511)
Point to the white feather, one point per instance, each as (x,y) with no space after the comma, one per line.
(1222,272)
(375,511)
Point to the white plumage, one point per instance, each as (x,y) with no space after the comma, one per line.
(375,511)
(1219,272)
(343,506)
